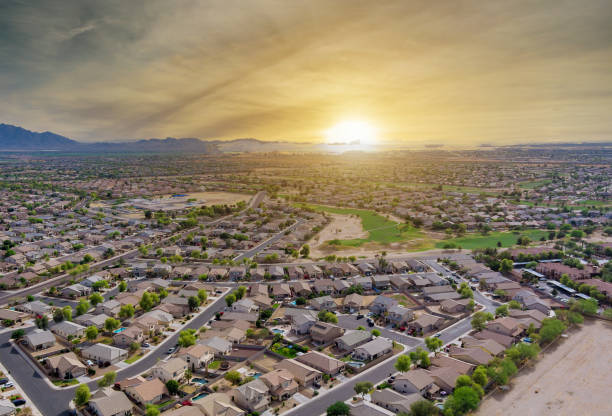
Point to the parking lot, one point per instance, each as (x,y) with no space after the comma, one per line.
(351,322)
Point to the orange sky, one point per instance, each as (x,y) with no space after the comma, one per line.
(450,72)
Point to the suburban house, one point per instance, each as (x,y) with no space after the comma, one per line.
(353,303)
(252,396)
(373,349)
(216,404)
(108,402)
(398,315)
(147,392)
(323,303)
(301,289)
(302,323)
(444,377)
(322,332)
(321,362)
(381,281)
(39,339)
(128,336)
(104,354)
(506,326)
(476,356)
(426,323)
(364,281)
(352,339)
(391,400)
(88,319)
(66,366)
(75,291)
(68,329)
(413,381)
(110,308)
(172,369)
(302,373)
(197,356)
(244,305)
(220,346)
(454,305)
(281,384)
(401,283)
(488,345)
(325,286)
(381,304)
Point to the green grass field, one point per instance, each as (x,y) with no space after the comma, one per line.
(507,238)
(380,229)
(534,184)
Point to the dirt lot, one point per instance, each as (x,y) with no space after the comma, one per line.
(571,378)
(341,227)
(218,198)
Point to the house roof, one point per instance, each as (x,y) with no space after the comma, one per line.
(216,404)
(317,360)
(354,337)
(67,327)
(419,378)
(477,355)
(107,352)
(398,400)
(296,368)
(461,367)
(376,346)
(150,389)
(38,337)
(173,365)
(113,403)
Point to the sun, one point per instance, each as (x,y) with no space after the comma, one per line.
(356,132)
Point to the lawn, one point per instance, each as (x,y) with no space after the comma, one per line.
(380,229)
(214,365)
(534,184)
(507,238)
(134,358)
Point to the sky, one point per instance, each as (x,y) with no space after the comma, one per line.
(441,72)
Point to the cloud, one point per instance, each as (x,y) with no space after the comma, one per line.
(452,72)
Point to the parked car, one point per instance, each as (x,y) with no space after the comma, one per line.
(146,345)
(9,384)
(89,363)
(171,350)
(360,316)
(3,381)
(18,402)
(316,385)
(186,403)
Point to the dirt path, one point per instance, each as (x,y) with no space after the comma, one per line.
(572,378)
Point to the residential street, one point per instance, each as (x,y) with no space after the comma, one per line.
(53,402)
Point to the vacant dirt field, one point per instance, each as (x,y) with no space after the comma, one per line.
(571,378)
(342,227)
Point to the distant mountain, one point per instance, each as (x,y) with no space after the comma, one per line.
(19,139)
(13,137)
(255,146)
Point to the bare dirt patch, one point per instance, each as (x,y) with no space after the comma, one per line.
(571,378)
(217,198)
(341,227)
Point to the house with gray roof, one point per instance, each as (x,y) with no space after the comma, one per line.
(373,349)
(352,339)
(39,339)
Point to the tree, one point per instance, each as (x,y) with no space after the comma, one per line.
(462,401)
(479,320)
(188,374)
(194,303)
(42,321)
(608,313)
(111,324)
(91,333)
(122,286)
(230,299)
(126,311)
(433,343)
(173,387)
(325,316)
(506,266)
(403,363)
(551,328)
(363,387)
(82,394)
(522,351)
(82,307)
(305,251)
(202,295)
(240,292)
(58,315)
(107,379)
(187,338)
(134,346)
(151,410)
(67,312)
(479,376)
(463,380)
(514,304)
(300,301)
(338,409)
(502,310)
(375,332)
(423,408)
(420,357)
(233,377)
(17,334)
(147,301)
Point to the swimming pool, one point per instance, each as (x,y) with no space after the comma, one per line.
(356,364)
(199,396)
(199,380)
(278,331)
(118,330)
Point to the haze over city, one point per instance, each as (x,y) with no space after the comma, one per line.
(457,73)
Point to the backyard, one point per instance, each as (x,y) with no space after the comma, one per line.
(572,378)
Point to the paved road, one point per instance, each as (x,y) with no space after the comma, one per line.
(345,391)
(7,296)
(55,402)
(253,252)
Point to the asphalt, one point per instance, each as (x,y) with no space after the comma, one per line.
(53,402)
(252,252)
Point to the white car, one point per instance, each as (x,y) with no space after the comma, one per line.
(9,384)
